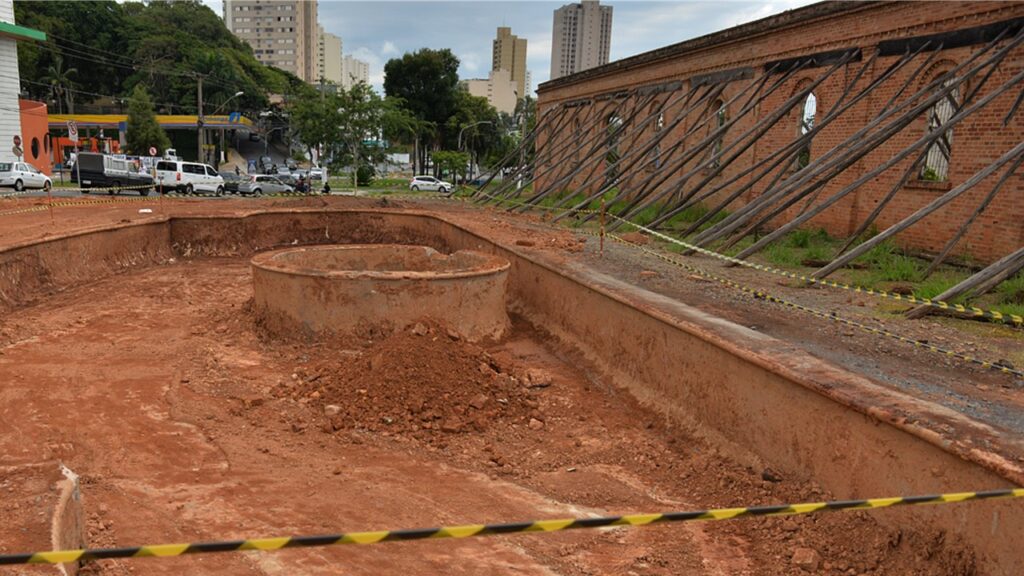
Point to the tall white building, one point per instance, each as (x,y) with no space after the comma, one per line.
(282,33)
(329,67)
(354,71)
(581,37)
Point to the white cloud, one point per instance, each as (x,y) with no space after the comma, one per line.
(389,49)
(471,61)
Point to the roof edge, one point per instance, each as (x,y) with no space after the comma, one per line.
(757,27)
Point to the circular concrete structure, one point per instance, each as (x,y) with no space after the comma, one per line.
(335,289)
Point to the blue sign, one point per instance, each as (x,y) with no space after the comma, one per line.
(234,117)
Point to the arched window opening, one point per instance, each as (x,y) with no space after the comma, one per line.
(577,134)
(612,156)
(936,162)
(721,117)
(806,125)
(657,126)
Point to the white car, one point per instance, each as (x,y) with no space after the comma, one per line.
(188,177)
(429,183)
(21,175)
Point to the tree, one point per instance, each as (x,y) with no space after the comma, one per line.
(61,84)
(427,83)
(451,162)
(143,130)
(361,127)
(116,45)
(316,121)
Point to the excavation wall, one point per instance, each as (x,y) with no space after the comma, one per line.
(756,398)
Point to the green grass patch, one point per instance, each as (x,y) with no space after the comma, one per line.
(782,255)
(1011,292)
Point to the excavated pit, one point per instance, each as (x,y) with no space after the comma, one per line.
(338,289)
(603,398)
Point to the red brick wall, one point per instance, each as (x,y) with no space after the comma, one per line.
(977,141)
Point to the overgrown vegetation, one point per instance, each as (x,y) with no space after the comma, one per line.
(108,48)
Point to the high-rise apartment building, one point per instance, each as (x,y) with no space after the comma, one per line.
(329,58)
(581,37)
(509,53)
(354,71)
(282,33)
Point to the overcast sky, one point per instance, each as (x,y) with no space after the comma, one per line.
(378,31)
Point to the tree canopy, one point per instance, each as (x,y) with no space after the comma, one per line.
(115,46)
(143,130)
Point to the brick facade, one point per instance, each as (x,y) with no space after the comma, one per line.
(827,26)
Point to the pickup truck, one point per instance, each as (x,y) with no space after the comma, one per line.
(104,171)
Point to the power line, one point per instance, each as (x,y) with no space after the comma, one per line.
(96,94)
(134,66)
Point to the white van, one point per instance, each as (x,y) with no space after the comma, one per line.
(188,177)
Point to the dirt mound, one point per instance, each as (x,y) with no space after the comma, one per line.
(421,381)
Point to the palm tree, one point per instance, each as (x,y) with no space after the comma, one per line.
(61,83)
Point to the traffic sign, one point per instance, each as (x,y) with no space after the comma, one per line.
(234,117)
(17,141)
(152,151)
(73,131)
(16,150)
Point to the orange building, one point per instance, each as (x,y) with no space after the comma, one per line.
(35,138)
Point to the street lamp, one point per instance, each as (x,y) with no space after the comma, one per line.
(225,103)
(470,126)
(460,143)
(219,108)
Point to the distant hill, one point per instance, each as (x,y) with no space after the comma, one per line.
(113,46)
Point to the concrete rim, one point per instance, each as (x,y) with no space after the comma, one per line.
(277,261)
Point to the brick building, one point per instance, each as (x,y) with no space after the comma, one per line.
(874,36)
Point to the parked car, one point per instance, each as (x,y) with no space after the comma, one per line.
(264,184)
(291,164)
(266,163)
(22,175)
(188,177)
(429,183)
(254,137)
(232,181)
(96,170)
(316,173)
(288,178)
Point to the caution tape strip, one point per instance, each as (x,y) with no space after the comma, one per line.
(762,295)
(974,311)
(474,530)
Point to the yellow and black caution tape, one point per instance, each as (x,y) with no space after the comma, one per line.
(993,315)
(474,530)
(75,202)
(762,295)
(974,311)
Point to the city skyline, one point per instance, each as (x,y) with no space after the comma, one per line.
(375,36)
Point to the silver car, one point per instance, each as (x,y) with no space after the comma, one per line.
(264,184)
(22,175)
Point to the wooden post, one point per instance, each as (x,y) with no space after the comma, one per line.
(49,200)
(602,227)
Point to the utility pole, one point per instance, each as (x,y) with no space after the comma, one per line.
(199,119)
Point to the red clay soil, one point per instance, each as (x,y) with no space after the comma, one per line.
(421,381)
(186,425)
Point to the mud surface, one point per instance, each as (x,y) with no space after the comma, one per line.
(186,425)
